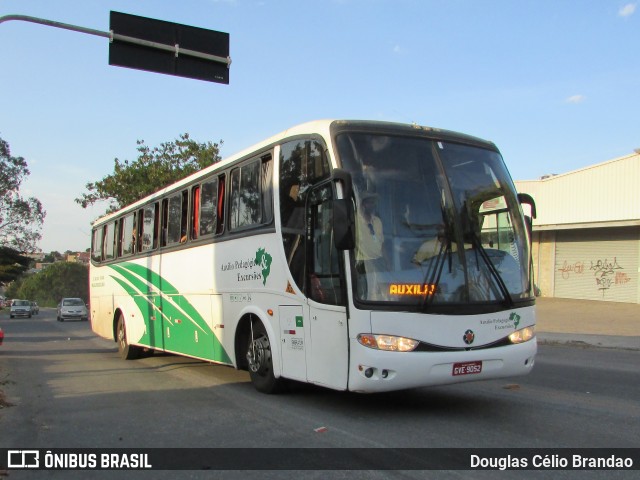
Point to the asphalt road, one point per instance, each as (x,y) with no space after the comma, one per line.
(65,387)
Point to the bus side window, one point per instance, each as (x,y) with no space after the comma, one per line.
(164,227)
(147,228)
(324,283)
(109,241)
(246,210)
(118,243)
(140,227)
(303,163)
(208,205)
(221,204)
(174,219)
(96,247)
(184,216)
(195,211)
(251,194)
(292,208)
(128,233)
(266,187)
(156,225)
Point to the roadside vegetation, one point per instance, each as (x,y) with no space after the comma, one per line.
(62,279)
(21,219)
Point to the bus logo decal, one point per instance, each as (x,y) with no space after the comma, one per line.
(469,337)
(263,260)
(515,318)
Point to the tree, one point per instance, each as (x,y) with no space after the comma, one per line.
(154,169)
(62,279)
(20,219)
(12,264)
(52,257)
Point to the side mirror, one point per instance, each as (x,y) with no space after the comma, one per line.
(344,236)
(526,199)
(344,177)
(344,231)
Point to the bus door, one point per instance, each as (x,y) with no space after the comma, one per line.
(328,354)
(293,342)
(153,314)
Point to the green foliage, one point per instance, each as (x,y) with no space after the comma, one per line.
(153,170)
(12,264)
(52,257)
(20,218)
(62,279)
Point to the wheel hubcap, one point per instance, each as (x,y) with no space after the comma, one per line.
(122,337)
(259,355)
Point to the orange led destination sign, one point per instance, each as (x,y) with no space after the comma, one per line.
(421,289)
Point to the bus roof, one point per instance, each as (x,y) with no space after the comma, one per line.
(325,128)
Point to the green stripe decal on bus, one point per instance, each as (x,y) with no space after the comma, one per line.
(171,321)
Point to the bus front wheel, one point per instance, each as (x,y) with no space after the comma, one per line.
(126,351)
(260,361)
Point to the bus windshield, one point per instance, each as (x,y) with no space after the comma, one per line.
(438,224)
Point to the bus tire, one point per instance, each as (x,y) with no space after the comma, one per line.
(126,351)
(260,361)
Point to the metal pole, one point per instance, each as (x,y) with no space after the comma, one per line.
(51,23)
(122,38)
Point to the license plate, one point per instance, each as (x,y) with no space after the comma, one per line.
(466,368)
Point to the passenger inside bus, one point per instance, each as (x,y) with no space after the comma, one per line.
(370,259)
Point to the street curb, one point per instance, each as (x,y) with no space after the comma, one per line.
(583,340)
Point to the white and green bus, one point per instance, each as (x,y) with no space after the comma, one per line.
(361,256)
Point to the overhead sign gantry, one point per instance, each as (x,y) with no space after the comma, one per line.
(158,46)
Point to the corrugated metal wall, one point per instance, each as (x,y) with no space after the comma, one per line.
(601,193)
(597,264)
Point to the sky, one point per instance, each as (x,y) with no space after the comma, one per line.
(554,83)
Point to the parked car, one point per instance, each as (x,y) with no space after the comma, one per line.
(72,309)
(35,309)
(20,308)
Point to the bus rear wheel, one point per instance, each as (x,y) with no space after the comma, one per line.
(260,361)
(126,351)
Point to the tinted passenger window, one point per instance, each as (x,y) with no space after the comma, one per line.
(174,231)
(251,202)
(325,280)
(148,227)
(128,231)
(96,246)
(208,206)
(302,164)
(109,241)
(245,196)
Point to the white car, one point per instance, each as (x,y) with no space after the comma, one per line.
(72,309)
(20,308)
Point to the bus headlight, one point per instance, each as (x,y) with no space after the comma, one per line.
(387,342)
(523,335)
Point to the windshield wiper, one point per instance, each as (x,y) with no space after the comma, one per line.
(436,263)
(477,244)
(434,270)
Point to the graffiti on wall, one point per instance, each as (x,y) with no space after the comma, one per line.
(568,268)
(606,273)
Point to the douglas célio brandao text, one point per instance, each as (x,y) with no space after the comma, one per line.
(551,461)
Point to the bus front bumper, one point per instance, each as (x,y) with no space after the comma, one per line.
(379,371)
